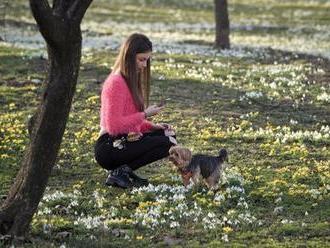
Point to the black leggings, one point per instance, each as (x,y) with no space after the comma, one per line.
(151,147)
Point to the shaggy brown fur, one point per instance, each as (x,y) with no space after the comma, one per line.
(210,168)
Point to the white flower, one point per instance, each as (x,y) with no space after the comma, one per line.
(278,210)
(285,221)
(219,197)
(254,94)
(225,238)
(211,215)
(174,224)
(323,97)
(293,122)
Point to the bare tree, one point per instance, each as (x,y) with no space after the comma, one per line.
(60,27)
(3,9)
(221,24)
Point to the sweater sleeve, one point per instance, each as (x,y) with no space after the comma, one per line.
(116,121)
(146,126)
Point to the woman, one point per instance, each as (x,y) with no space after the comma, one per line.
(127,139)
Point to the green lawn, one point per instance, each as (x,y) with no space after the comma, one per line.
(265,101)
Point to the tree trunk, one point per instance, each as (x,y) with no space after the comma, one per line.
(63,36)
(221,24)
(24,196)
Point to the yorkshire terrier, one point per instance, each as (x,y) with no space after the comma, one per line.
(210,168)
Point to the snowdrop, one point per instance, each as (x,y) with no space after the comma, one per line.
(225,238)
(90,222)
(284,134)
(323,97)
(286,221)
(247,218)
(278,210)
(174,224)
(219,197)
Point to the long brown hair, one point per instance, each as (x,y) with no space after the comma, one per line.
(137,82)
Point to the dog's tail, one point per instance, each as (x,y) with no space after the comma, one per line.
(223,155)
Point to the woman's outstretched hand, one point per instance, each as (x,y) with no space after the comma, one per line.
(167,126)
(168,129)
(158,126)
(153,110)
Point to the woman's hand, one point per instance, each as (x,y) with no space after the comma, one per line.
(168,129)
(153,110)
(158,126)
(167,126)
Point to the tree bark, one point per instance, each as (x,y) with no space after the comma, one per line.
(62,33)
(221,24)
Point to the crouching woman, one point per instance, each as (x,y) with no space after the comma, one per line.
(128,140)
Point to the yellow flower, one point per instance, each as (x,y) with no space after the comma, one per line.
(4,156)
(144,206)
(301,173)
(227,229)
(11,106)
(78,185)
(139,237)
(93,99)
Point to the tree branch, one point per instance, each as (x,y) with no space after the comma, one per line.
(78,9)
(43,15)
(61,7)
(58,7)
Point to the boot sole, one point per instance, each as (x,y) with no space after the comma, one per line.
(137,178)
(116,183)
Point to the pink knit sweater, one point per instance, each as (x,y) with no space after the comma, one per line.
(118,112)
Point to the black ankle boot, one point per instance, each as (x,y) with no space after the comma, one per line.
(140,182)
(119,178)
(136,180)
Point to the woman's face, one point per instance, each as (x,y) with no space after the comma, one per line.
(141,60)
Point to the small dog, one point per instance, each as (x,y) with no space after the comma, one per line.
(209,167)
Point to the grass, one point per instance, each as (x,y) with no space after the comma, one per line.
(268,107)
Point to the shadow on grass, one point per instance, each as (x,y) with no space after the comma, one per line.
(214,99)
(17,69)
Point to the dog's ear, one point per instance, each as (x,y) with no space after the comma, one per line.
(185,156)
(174,156)
(188,155)
(178,153)
(180,157)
